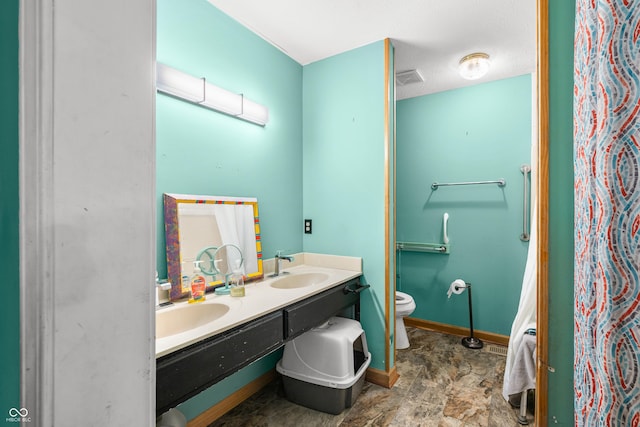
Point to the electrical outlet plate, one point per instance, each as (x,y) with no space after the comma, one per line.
(307,226)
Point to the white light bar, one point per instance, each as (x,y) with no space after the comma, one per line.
(179,84)
(254,112)
(222,100)
(197,90)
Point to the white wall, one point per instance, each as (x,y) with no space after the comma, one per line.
(96,227)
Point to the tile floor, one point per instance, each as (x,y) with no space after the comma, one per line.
(441,384)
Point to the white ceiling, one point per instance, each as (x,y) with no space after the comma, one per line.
(429,35)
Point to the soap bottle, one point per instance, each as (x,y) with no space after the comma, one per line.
(198,284)
(237,282)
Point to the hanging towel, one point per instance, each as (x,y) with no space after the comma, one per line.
(523,371)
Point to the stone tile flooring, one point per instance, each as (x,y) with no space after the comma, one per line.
(441,384)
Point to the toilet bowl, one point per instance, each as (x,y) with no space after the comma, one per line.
(404,307)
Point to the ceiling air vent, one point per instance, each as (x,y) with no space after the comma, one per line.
(404,78)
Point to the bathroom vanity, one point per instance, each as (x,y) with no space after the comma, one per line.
(199,344)
(273,311)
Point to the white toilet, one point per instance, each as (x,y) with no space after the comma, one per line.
(404,307)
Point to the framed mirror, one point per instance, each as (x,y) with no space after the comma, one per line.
(195,222)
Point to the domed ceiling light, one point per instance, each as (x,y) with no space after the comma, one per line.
(474,66)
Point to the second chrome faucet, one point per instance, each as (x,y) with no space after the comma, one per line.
(279,257)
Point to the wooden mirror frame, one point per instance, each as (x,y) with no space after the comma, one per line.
(173,245)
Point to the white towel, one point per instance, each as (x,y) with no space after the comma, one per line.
(523,371)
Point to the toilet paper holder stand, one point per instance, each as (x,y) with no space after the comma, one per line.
(471,341)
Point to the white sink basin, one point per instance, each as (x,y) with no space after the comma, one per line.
(299,280)
(181,319)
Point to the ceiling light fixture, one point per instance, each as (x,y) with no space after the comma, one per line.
(474,66)
(198,91)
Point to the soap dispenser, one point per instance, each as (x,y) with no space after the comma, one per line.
(198,284)
(237,281)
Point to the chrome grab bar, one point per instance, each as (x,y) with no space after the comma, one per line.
(501,183)
(423,247)
(525,169)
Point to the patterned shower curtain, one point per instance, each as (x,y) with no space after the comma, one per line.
(607,213)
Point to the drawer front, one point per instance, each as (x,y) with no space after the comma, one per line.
(185,373)
(307,314)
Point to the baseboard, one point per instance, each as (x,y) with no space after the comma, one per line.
(382,378)
(233,400)
(456,330)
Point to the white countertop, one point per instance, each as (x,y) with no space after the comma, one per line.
(260,298)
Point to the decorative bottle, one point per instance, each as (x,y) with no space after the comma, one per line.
(237,282)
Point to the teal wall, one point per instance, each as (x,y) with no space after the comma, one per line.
(200,151)
(476,133)
(561,253)
(343,171)
(9,209)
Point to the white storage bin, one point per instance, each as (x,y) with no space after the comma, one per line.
(324,368)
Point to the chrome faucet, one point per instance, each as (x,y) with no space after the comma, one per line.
(279,257)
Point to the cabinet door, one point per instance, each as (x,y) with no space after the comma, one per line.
(185,373)
(307,314)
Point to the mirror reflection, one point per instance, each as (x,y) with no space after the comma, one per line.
(221,260)
(196,226)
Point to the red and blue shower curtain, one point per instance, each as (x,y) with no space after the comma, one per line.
(607,213)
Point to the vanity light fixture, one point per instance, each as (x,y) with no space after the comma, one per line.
(179,84)
(254,112)
(198,91)
(216,98)
(474,66)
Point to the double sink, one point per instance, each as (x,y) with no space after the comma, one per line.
(186,317)
(183,324)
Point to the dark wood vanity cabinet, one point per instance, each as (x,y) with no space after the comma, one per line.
(311,312)
(186,372)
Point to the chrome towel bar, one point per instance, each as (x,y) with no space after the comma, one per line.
(438,248)
(501,183)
